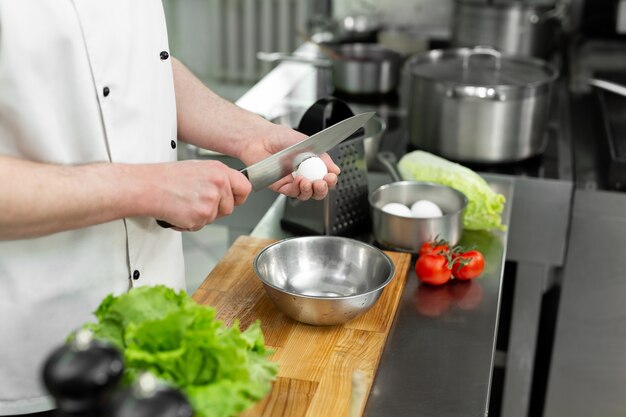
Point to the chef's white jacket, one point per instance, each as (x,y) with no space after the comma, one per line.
(80,81)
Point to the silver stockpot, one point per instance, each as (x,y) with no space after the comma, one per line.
(479,105)
(361,69)
(516,27)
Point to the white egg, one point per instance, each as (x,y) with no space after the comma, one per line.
(312,168)
(425,209)
(397,209)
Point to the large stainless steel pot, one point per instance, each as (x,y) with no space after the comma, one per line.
(478,105)
(516,27)
(364,68)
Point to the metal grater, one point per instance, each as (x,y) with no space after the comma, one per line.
(345,210)
(348,208)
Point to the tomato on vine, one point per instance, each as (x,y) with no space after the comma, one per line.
(437,246)
(433,269)
(438,262)
(468,264)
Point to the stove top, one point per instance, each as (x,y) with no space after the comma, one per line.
(396,139)
(392,108)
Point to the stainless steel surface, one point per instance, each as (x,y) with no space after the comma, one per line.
(323,280)
(513,27)
(423,354)
(531,282)
(537,245)
(476,105)
(587,373)
(365,68)
(407,233)
(588,367)
(436,365)
(441,365)
(540,221)
(275,167)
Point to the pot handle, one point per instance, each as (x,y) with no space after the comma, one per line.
(281,57)
(608,86)
(389,161)
(483,50)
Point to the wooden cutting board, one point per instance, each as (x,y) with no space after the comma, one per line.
(316,363)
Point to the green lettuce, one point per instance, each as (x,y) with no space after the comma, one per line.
(221,370)
(484,210)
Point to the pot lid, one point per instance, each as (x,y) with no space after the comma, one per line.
(482,66)
(509,3)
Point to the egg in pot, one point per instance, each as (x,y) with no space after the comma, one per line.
(425,209)
(397,208)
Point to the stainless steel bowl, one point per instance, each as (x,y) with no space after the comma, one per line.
(409,233)
(323,280)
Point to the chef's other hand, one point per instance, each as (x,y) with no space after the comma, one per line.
(277,137)
(191,194)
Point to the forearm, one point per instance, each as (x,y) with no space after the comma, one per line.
(38,199)
(206,120)
(209,121)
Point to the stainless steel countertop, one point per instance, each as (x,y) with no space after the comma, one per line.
(443,366)
(436,362)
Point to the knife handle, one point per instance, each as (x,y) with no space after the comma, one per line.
(164,224)
(255,186)
(167,225)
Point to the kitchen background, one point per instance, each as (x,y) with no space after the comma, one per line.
(569,315)
(218,40)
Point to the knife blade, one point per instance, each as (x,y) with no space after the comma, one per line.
(271,169)
(282,163)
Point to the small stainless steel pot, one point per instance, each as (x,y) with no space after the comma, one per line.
(364,68)
(408,234)
(479,105)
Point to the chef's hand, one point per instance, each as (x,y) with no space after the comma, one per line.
(277,137)
(191,194)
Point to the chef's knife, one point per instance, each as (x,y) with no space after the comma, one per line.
(282,163)
(275,167)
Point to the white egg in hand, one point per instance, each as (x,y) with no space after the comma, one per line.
(312,169)
(425,209)
(398,209)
